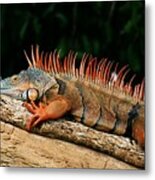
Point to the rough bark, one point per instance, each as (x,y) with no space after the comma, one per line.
(23,149)
(28,149)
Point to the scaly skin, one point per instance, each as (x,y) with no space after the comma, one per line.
(91,95)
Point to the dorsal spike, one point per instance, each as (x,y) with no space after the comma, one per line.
(109,70)
(41,65)
(58,62)
(105,72)
(89,69)
(116,67)
(46,60)
(65,65)
(33,57)
(131,80)
(73,65)
(51,62)
(54,62)
(94,69)
(83,64)
(123,77)
(37,55)
(70,62)
(141,92)
(28,60)
(120,74)
(101,70)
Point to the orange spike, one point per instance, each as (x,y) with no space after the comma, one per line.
(141,93)
(54,62)
(131,80)
(46,62)
(121,71)
(94,69)
(65,65)
(105,72)
(37,55)
(73,65)
(58,62)
(136,91)
(32,56)
(51,62)
(116,67)
(70,63)
(108,71)
(41,60)
(83,64)
(99,66)
(102,69)
(77,72)
(120,74)
(123,77)
(27,58)
(89,69)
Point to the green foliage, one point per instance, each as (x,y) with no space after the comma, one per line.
(104,29)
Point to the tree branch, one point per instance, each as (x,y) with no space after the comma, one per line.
(119,147)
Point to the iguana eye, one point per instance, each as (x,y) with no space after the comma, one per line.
(14,78)
(31,94)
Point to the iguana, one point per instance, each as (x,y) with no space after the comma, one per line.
(93,93)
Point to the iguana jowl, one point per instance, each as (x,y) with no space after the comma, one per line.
(92,94)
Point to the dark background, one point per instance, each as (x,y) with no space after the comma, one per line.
(103,29)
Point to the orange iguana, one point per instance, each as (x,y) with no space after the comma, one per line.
(94,94)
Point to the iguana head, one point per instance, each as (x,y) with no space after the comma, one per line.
(30,84)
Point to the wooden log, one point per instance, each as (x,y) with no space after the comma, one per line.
(22,149)
(121,148)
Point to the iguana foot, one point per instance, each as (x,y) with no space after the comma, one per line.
(38,114)
(41,112)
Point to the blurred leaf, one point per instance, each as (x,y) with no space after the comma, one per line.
(86,42)
(62,18)
(128,27)
(48,10)
(96,47)
(36,25)
(23,30)
(62,46)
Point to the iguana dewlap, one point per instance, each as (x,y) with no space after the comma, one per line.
(94,94)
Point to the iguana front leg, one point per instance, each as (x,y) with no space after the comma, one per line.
(42,112)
